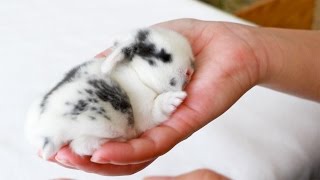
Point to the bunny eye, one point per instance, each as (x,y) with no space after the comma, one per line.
(151,62)
(173,82)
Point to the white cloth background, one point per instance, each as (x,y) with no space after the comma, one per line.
(266,135)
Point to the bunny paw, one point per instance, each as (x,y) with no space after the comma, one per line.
(172,100)
(167,103)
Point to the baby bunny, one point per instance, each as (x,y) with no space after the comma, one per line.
(138,86)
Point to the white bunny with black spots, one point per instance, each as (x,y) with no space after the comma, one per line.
(137,87)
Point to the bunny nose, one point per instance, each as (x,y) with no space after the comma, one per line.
(189,74)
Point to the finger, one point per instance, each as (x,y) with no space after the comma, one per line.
(65,164)
(84,164)
(203,174)
(53,160)
(138,150)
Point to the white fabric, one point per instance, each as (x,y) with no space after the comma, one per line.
(266,135)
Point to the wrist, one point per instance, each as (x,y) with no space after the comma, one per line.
(269,55)
(257,64)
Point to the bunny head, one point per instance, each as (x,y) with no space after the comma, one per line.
(162,59)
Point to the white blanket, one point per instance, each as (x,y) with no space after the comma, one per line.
(266,135)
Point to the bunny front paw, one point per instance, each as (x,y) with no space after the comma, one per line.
(166,104)
(171,100)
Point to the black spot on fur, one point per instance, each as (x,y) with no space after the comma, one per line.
(164,56)
(92,118)
(113,94)
(102,110)
(173,82)
(70,76)
(142,49)
(93,109)
(145,49)
(79,107)
(46,142)
(107,117)
(142,35)
(89,91)
(92,100)
(128,53)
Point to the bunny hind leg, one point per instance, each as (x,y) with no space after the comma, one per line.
(86,145)
(50,147)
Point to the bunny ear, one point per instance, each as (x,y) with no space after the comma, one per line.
(112,60)
(125,49)
(120,52)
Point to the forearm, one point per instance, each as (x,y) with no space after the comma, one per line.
(292,62)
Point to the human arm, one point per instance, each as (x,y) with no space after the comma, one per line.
(230,59)
(293,62)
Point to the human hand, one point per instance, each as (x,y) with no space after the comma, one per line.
(226,67)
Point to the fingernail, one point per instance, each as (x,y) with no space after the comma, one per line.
(64,161)
(158,178)
(99,160)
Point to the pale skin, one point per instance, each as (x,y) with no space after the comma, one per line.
(230,60)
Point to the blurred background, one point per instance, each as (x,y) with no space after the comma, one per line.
(298,14)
